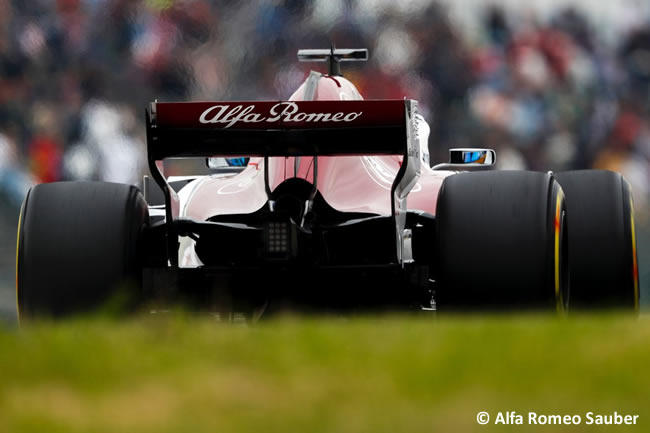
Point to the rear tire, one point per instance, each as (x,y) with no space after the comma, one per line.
(78,247)
(602,246)
(501,241)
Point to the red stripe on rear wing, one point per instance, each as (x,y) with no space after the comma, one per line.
(279,128)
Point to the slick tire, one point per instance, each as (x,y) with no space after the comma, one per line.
(501,242)
(77,247)
(603,263)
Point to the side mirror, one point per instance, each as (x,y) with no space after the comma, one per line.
(468,159)
(215,163)
(219,165)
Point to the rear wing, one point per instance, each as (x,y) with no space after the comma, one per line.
(285,128)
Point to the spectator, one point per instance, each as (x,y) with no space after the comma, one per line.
(547,91)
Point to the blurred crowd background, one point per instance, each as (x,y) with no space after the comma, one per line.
(549,84)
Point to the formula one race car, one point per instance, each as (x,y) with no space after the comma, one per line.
(334,206)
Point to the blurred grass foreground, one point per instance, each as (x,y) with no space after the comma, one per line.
(386,374)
